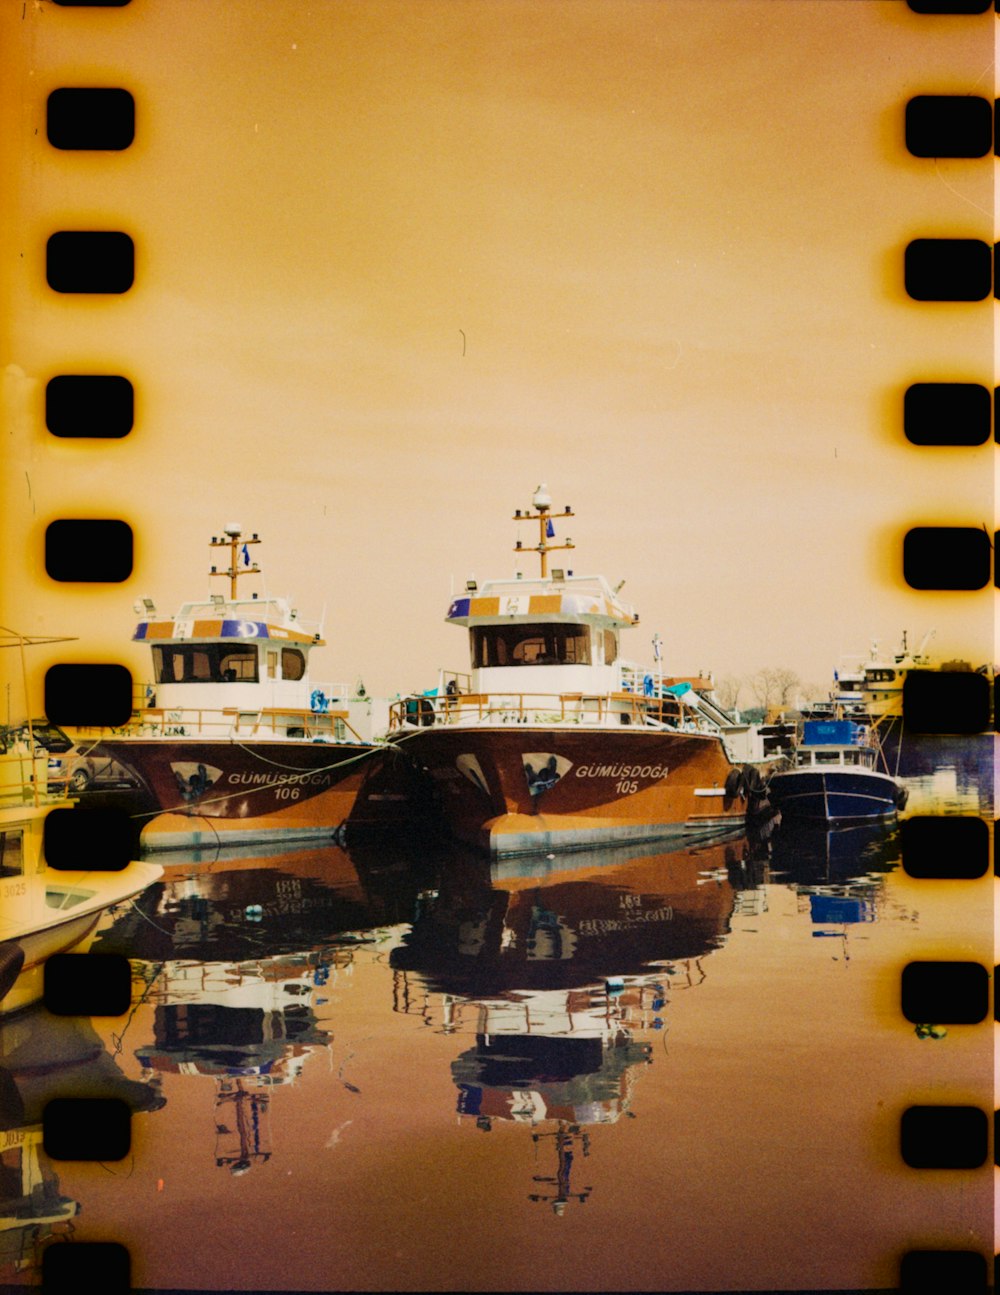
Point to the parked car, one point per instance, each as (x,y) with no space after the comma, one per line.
(86,772)
(47,738)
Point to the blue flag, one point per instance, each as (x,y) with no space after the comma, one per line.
(246,555)
(550,530)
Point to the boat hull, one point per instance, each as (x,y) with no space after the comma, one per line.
(72,936)
(530,789)
(54,912)
(206,793)
(835,795)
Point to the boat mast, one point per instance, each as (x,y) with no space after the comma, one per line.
(542,502)
(232,542)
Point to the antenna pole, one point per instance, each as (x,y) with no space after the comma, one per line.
(232,542)
(543,516)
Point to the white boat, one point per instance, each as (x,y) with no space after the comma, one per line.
(44,910)
(554,741)
(884,676)
(846,698)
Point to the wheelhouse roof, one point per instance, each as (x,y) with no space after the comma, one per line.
(576,599)
(241,620)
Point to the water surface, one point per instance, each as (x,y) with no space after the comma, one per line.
(399,1067)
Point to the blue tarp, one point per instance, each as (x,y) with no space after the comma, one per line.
(830,732)
(839,908)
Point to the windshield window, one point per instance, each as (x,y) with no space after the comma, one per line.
(513,645)
(205,663)
(293,663)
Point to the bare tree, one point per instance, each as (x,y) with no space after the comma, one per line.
(727,691)
(774,686)
(786,683)
(762,687)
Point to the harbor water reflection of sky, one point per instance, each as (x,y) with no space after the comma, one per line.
(402,1067)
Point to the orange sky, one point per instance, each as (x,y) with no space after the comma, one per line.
(398,263)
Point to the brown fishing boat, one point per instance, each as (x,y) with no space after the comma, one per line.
(554,741)
(232,742)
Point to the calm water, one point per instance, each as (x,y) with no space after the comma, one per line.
(402,1068)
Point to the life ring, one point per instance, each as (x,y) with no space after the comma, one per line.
(319,702)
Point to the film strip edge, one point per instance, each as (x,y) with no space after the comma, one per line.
(956,414)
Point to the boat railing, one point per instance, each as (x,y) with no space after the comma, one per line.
(601,709)
(231,723)
(24,777)
(321,695)
(455,681)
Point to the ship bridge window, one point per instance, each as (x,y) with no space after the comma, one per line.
(293,663)
(513,645)
(881,676)
(205,663)
(11,853)
(610,647)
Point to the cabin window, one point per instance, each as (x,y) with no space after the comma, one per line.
(610,647)
(205,663)
(272,665)
(293,663)
(881,676)
(514,645)
(827,757)
(11,853)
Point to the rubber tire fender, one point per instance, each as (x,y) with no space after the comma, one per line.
(734,785)
(752,780)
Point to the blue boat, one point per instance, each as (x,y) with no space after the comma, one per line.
(834,778)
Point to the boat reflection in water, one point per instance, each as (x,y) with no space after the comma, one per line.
(43,1057)
(805,854)
(235,949)
(838,873)
(563,970)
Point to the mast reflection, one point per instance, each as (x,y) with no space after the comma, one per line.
(563,971)
(43,1057)
(237,951)
(838,874)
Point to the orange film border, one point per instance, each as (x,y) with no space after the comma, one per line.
(946,558)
